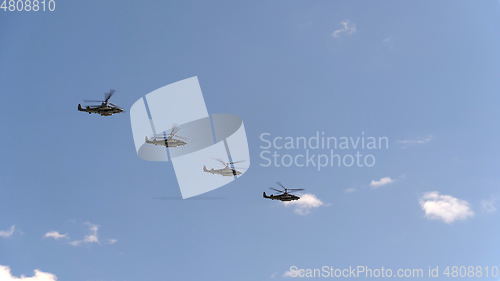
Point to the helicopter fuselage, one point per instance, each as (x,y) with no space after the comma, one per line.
(103,110)
(226,171)
(167,142)
(282,197)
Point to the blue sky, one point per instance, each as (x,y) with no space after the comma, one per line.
(424,72)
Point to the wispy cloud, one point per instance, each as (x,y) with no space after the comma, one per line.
(305,204)
(56,235)
(388,42)
(346,27)
(489,205)
(445,207)
(381,182)
(90,238)
(112,241)
(6,275)
(350,190)
(8,233)
(292,272)
(415,141)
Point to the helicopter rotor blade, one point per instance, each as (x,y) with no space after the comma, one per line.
(93,101)
(222,162)
(294,190)
(108,95)
(276,189)
(182,138)
(237,162)
(174,130)
(240,168)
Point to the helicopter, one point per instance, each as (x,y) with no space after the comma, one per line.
(170,140)
(285,195)
(106,108)
(226,171)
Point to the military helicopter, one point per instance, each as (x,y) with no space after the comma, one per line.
(226,171)
(285,195)
(106,108)
(170,140)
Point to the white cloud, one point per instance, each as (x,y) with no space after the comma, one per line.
(90,238)
(8,233)
(381,182)
(305,204)
(415,141)
(489,205)
(6,275)
(445,207)
(55,235)
(346,27)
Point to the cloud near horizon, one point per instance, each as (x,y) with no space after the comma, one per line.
(446,208)
(6,275)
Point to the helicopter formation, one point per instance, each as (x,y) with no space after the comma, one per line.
(171,139)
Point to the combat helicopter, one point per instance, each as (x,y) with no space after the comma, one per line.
(170,140)
(106,108)
(284,194)
(228,170)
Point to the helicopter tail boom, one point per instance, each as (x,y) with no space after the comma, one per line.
(80,108)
